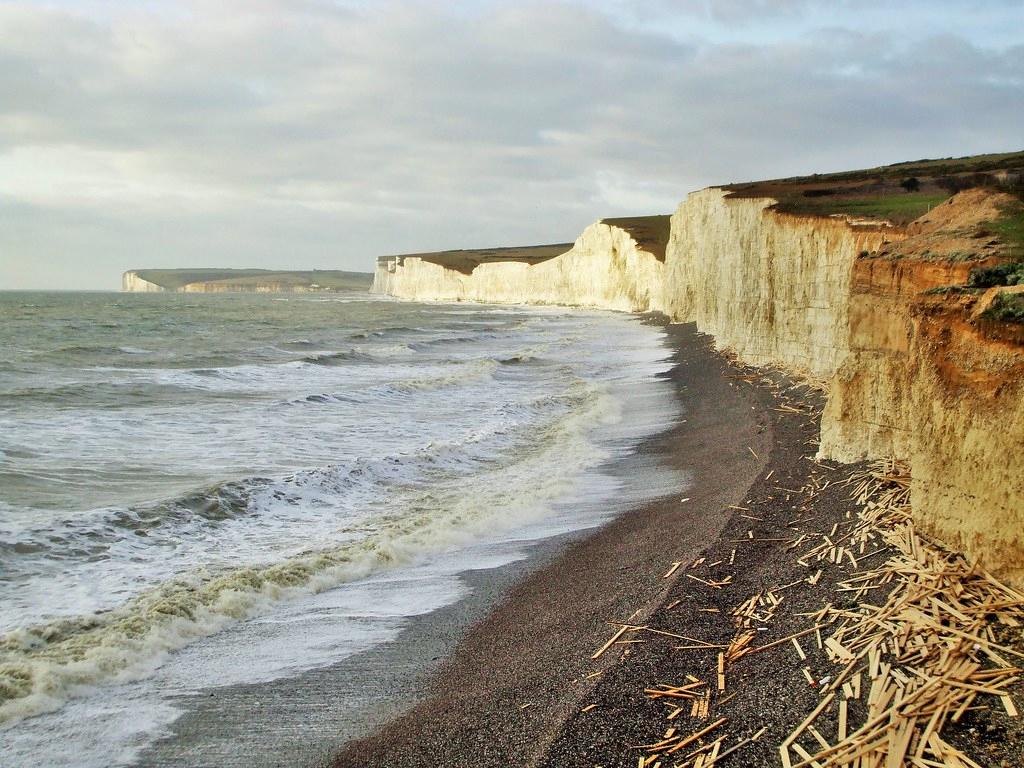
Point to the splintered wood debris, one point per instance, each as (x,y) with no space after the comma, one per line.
(919,650)
(929,651)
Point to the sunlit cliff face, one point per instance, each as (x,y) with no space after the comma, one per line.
(784,290)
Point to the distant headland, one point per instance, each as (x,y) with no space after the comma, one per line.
(243,281)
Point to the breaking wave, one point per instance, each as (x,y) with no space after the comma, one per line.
(439,503)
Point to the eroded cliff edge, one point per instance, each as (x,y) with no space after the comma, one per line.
(914,370)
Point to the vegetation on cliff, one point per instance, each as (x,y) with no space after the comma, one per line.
(899,193)
(650,232)
(466,260)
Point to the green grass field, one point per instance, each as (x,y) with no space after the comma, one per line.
(882,192)
(1010,229)
(898,208)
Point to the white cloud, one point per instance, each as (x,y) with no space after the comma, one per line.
(250,133)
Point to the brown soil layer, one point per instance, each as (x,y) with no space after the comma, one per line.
(522,688)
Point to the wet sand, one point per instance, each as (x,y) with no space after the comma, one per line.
(505,676)
(518,676)
(522,688)
(305,719)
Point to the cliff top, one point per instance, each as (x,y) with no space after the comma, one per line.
(466,260)
(970,266)
(974,225)
(898,193)
(650,232)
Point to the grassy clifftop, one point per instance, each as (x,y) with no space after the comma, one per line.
(650,232)
(899,193)
(467,260)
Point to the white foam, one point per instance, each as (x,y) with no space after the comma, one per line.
(496,463)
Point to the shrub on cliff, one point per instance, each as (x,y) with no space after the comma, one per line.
(1007,307)
(1001,274)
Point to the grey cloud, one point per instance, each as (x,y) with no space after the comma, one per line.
(321,135)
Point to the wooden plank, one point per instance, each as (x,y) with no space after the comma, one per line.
(610,643)
(799,650)
(809,719)
(694,736)
(837,648)
(702,581)
(805,755)
(1011,710)
(785,639)
(818,737)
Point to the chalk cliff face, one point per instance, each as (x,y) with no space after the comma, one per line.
(225,286)
(131,282)
(771,287)
(926,384)
(605,268)
(929,380)
(911,376)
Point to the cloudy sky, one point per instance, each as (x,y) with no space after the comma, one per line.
(322,133)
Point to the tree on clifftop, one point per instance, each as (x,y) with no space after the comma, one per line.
(910,184)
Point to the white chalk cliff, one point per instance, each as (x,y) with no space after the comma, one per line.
(605,268)
(778,289)
(131,282)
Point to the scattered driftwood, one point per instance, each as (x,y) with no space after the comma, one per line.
(921,647)
(928,651)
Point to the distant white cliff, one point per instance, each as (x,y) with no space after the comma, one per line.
(605,268)
(132,283)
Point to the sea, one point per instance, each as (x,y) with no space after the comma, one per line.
(205,491)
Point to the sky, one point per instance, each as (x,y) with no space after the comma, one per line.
(301,134)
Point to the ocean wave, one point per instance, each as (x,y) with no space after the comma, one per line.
(42,665)
(521,359)
(475,369)
(457,375)
(338,358)
(393,330)
(282,501)
(99,394)
(430,344)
